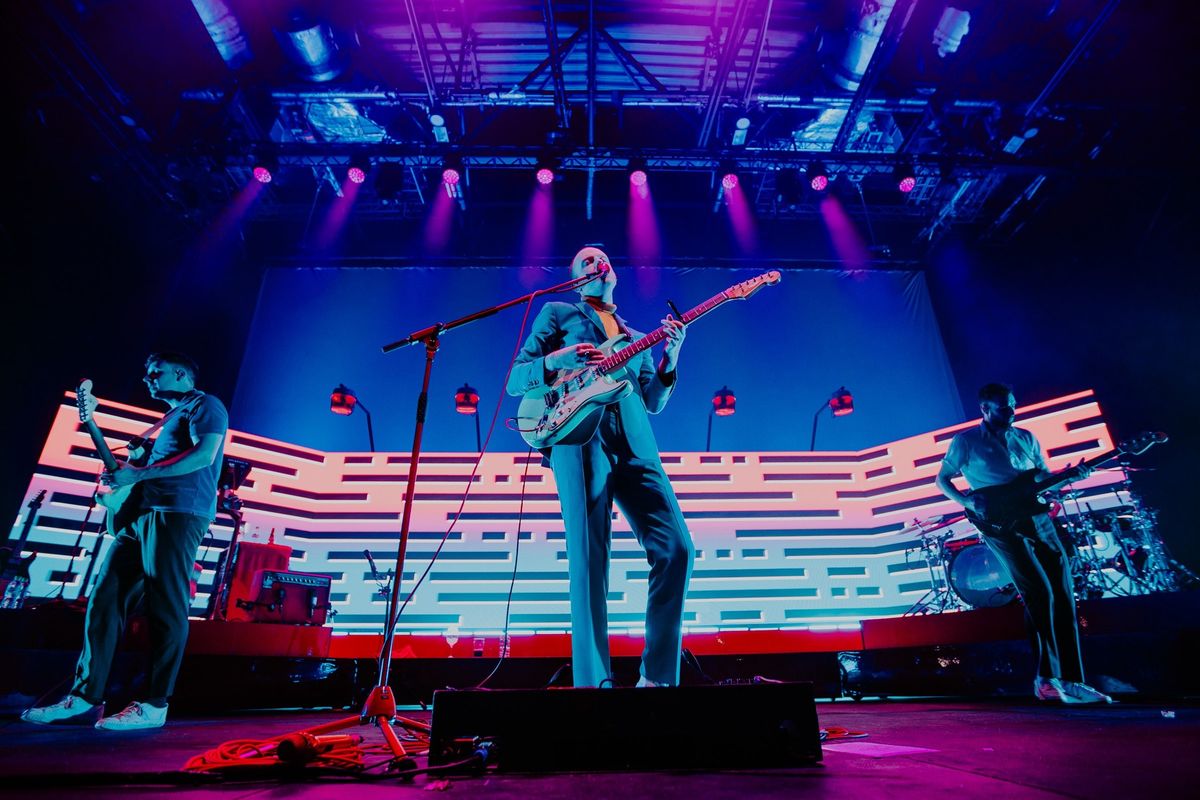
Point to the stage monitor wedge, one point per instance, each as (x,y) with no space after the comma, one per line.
(688,727)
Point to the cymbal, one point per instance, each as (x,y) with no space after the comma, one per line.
(931,524)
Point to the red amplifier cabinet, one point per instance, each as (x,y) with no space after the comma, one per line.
(295,598)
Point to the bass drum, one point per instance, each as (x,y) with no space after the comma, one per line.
(977,576)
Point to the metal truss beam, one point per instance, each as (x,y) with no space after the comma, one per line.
(758,50)
(420,156)
(561,108)
(733,43)
(632,66)
(556,57)
(422,52)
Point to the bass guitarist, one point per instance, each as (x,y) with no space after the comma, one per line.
(154,549)
(995,454)
(619,463)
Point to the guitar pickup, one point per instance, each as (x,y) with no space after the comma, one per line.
(551,397)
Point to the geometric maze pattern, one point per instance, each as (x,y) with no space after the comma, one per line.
(784,540)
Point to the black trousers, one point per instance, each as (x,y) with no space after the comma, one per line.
(152,559)
(1041,569)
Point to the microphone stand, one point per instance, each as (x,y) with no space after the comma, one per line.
(380,705)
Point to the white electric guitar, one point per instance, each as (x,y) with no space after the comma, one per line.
(569,410)
(120,502)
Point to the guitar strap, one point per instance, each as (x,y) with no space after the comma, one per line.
(145,435)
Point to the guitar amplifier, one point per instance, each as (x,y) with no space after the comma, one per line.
(290,598)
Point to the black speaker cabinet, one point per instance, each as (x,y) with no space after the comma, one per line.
(678,727)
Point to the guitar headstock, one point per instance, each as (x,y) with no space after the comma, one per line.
(740,291)
(85,401)
(1142,442)
(36,502)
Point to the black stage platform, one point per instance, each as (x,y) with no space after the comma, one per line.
(998,748)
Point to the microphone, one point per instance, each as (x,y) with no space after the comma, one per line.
(602,268)
(371,561)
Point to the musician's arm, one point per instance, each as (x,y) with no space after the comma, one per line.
(529,367)
(1039,458)
(948,488)
(197,457)
(951,467)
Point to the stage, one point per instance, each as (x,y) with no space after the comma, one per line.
(913,749)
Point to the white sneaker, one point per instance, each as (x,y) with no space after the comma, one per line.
(1074,692)
(135,716)
(1044,689)
(71,710)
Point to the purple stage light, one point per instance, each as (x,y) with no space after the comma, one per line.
(356,175)
(450,176)
(545,176)
(637,177)
(729,180)
(907,184)
(262,174)
(819,183)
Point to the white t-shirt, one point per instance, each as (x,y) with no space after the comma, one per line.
(987,459)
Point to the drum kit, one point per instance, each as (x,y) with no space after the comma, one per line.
(1114,552)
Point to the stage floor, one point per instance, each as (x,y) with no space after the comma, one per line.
(915,749)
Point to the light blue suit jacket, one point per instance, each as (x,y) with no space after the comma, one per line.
(561,324)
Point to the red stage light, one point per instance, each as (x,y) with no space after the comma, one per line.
(907,184)
(466,400)
(450,176)
(545,176)
(724,402)
(262,174)
(819,182)
(342,401)
(356,175)
(842,402)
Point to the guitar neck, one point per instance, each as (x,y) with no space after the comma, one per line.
(1058,480)
(621,357)
(102,449)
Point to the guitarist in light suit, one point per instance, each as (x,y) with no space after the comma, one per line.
(993,454)
(619,463)
(153,551)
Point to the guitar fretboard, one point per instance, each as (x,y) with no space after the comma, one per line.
(619,358)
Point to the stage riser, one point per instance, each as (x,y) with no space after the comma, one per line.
(709,727)
(1135,664)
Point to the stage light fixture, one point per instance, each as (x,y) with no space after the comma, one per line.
(637,171)
(724,402)
(741,129)
(343,401)
(437,124)
(265,167)
(818,177)
(840,403)
(545,176)
(905,177)
(357,171)
(788,188)
(466,400)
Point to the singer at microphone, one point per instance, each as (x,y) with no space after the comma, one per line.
(622,458)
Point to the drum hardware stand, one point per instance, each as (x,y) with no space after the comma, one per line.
(939,597)
(233,473)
